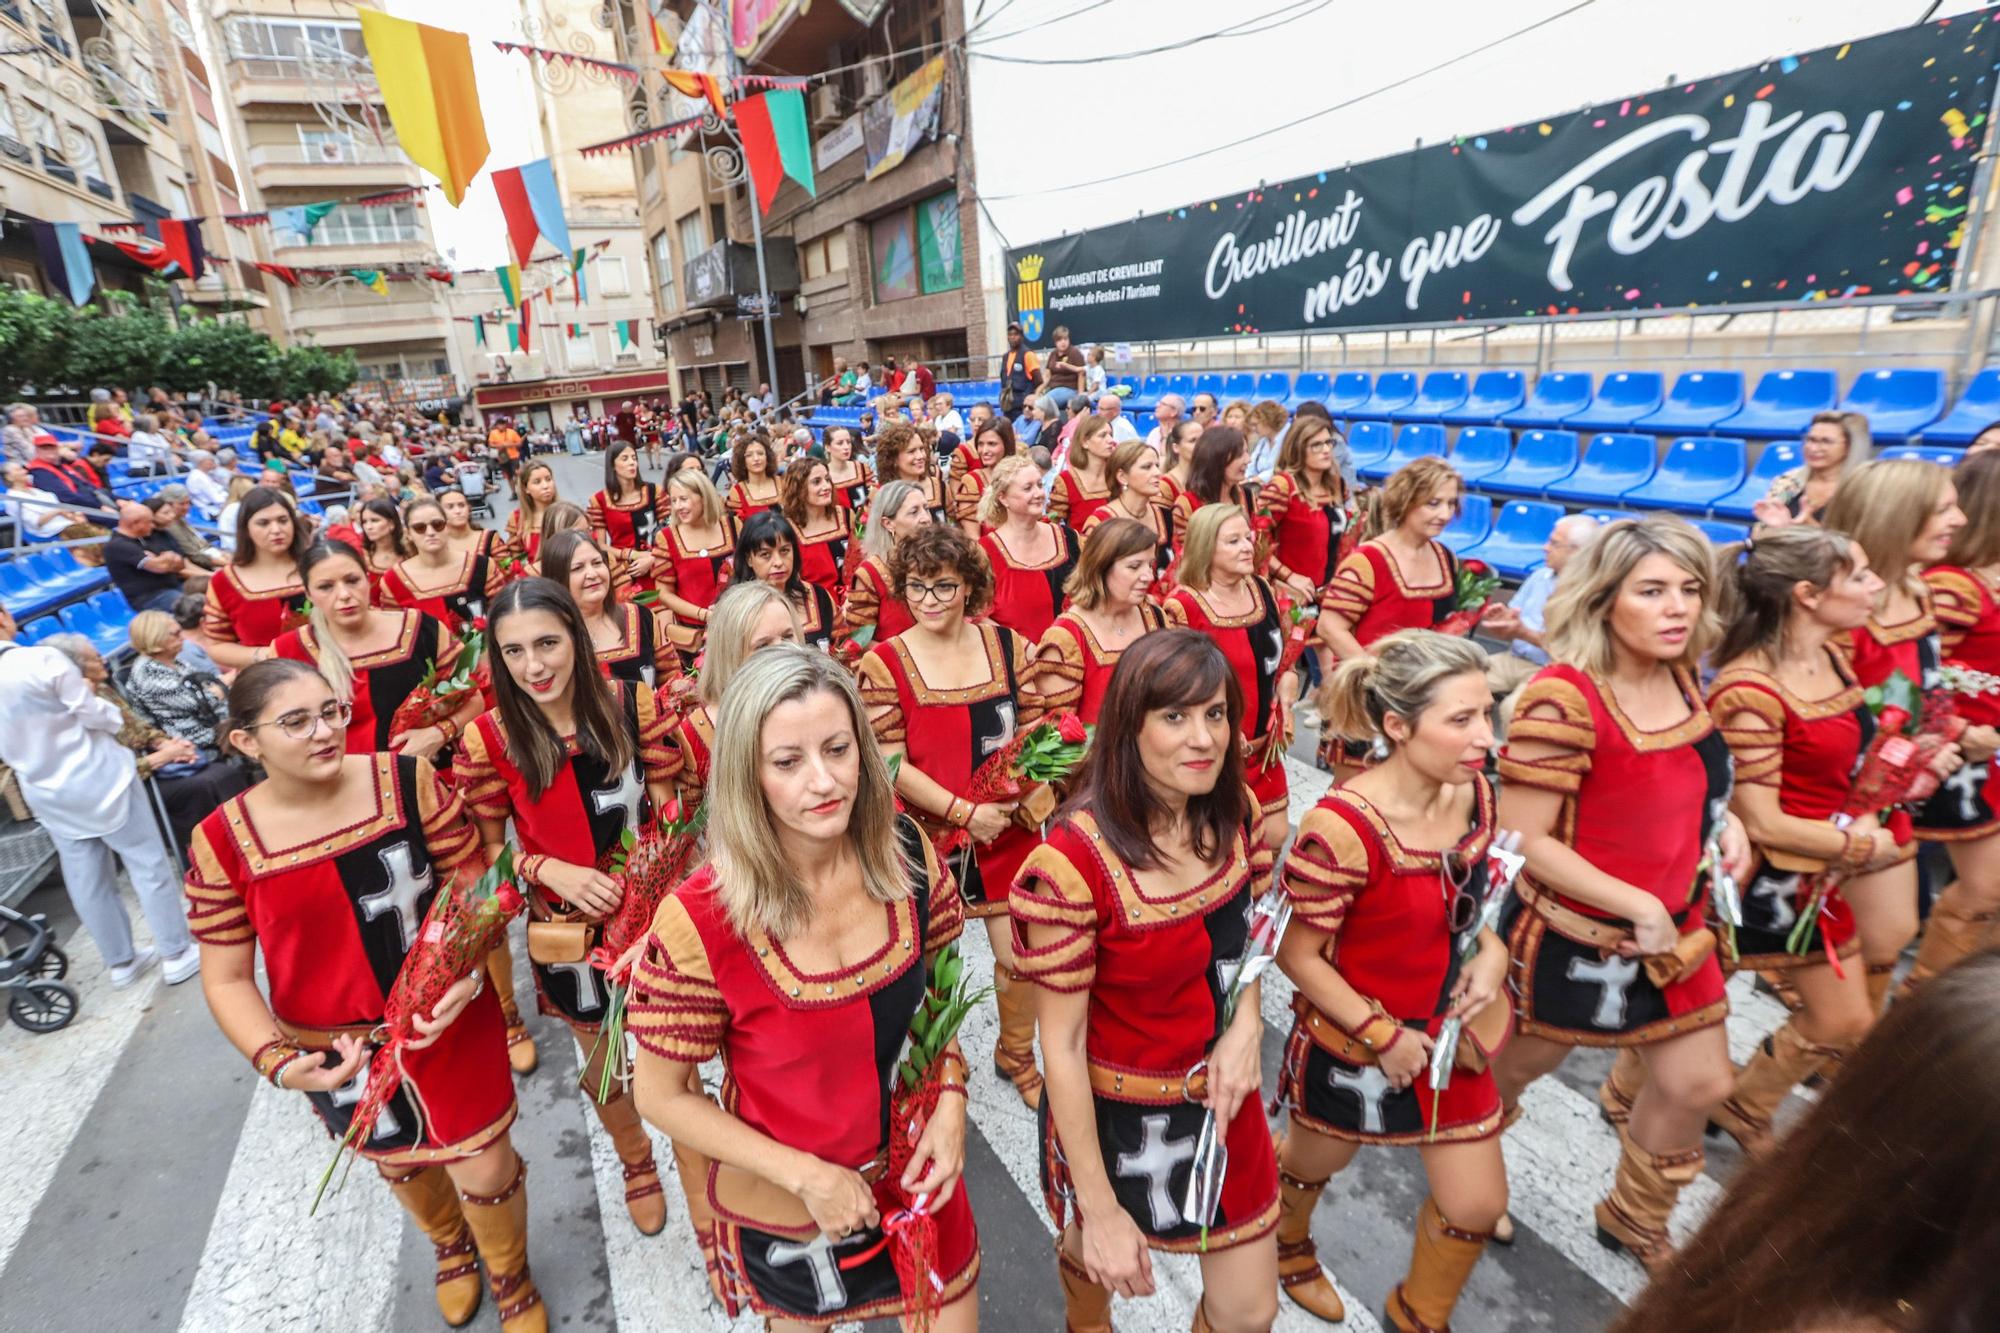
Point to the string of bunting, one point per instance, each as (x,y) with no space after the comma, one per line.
(642,137)
(763,81)
(625,73)
(413,195)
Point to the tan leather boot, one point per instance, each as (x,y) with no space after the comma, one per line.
(1880,977)
(1014,1052)
(1086,1306)
(1783,1059)
(645,1200)
(521,1054)
(1299,1275)
(1621,1086)
(499,1225)
(428,1195)
(1955,929)
(1440,1262)
(1634,1216)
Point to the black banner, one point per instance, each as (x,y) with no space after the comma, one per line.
(1840,172)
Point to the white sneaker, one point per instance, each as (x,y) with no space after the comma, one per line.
(179,967)
(142,958)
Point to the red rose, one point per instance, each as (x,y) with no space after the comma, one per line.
(509,898)
(1477,567)
(670,813)
(479,623)
(1070,728)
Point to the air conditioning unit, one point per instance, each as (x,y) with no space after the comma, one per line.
(874,79)
(825,106)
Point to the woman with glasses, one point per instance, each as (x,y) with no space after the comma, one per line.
(902,455)
(822,525)
(1221,595)
(575,761)
(767,551)
(1135,495)
(1108,610)
(1386,878)
(944,695)
(537,491)
(794,954)
(628,512)
(1124,919)
(327,867)
(692,557)
(747,618)
(754,470)
(253,599)
(1215,476)
(853,479)
(1031,558)
(993,442)
(1084,486)
(384,544)
(1618,782)
(627,637)
(873,614)
(453,589)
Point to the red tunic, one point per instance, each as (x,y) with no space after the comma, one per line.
(1305,537)
(1382,909)
(1027,598)
(946,735)
(643,655)
(968,493)
(334,917)
(521,545)
(1149,965)
(1162,536)
(1968,616)
(742,508)
(236,614)
(853,493)
(630,525)
(1254,643)
(693,574)
(870,605)
(1369,593)
(1071,502)
(823,555)
(456,603)
(1168,503)
(1806,750)
(693,735)
(1072,669)
(1570,992)
(808,1060)
(381,680)
(1878,651)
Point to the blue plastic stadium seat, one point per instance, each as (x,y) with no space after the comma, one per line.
(1783,404)
(1239,384)
(1612,465)
(115,621)
(1494,394)
(1210,384)
(1541,459)
(1182,385)
(1414,441)
(1146,396)
(1514,547)
(1274,384)
(1394,391)
(1556,398)
(1778,456)
(1699,399)
(1369,442)
(1897,403)
(1695,473)
(34,631)
(1720,532)
(1443,390)
(1143,422)
(1943,457)
(1350,390)
(1311,387)
(1623,397)
(1471,526)
(1481,451)
(63,572)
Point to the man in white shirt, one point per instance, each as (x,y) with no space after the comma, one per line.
(32,508)
(149,452)
(1167,415)
(208,489)
(1112,408)
(61,740)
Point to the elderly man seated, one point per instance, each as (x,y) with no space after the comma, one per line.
(207,484)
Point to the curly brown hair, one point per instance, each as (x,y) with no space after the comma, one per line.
(892,441)
(942,549)
(739,468)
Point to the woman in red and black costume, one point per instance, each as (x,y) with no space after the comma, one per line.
(799,953)
(1084,486)
(384,544)
(767,551)
(1135,495)
(255,597)
(1177,450)
(748,617)
(1386,879)
(756,487)
(972,472)
(1617,780)
(1905,514)
(1215,476)
(691,558)
(628,638)
(1031,558)
(871,612)
(453,589)
(1126,918)
(628,513)
(1305,503)
(1108,612)
(1220,595)
(537,491)
(853,478)
(902,455)
(328,866)
(575,761)
(822,525)
(461,531)
(944,695)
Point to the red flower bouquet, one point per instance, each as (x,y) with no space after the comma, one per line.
(1303,620)
(1475,588)
(1047,752)
(433,700)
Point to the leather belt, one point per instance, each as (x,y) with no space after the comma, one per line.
(1568,923)
(1149,1087)
(321,1039)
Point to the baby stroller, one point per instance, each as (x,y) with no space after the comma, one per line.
(32,969)
(472,481)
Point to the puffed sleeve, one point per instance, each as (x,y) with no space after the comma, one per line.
(945,911)
(216,622)
(1352,590)
(216,913)
(864,598)
(1051,892)
(1059,499)
(1059,667)
(1028,706)
(1752,721)
(496,579)
(621,569)
(1325,869)
(881,698)
(665,576)
(676,1011)
(659,760)
(479,777)
(666,662)
(966,493)
(448,650)
(1553,712)
(448,834)
(1955,601)
(516,546)
(961,466)
(1175,610)
(1184,506)
(390,591)
(598,523)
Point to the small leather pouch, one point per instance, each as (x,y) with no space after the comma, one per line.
(554,943)
(1484,1034)
(1036,806)
(1693,949)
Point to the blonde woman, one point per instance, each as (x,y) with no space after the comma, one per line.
(872,612)
(1108,612)
(1264,424)
(1031,557)
(1835,444)
(1135,495)
(692,557)
(755,958)
(746,618)
(1618,781)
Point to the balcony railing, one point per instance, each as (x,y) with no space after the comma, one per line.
(326,237)
(325,154)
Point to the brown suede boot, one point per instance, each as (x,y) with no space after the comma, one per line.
(1621,1086)
(1954,930)
(429,1196)
(645,1200)
(1634,1216)
(499,1225)
(1440,1262)
(1779,980)
(1086,1306)
(1299,1275)
(1014,1052)
(520,1046)
(1782,1061)
(1880,977)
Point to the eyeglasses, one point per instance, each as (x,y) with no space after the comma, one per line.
(1461,908)
(426,526)
(940,593)
(301,724)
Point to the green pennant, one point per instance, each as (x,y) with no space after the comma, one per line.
(510,283)
(513,337)
(578,287)
(479,330)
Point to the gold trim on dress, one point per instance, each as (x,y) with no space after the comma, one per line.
(1916,627)
(1055,562)
(1254,616)
(399,651)
(463,584)
(1685,732)
(818,990)
(927,696)
(260,860)
(1472,846)
(1141,911)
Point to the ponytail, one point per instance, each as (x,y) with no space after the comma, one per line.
(1754,590)
(1401,677)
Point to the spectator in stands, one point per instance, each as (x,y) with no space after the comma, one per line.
(1236,415)
(61,741)
(1112,408)
(1020,376)
(863,385)
(207,486)
(144,564)
(149,453)
(1202,410)
(1166,415)
(1835,444)
(978,419)
(918,380)
(225,522)
(1062,373)
(170,507)
(104,417)
(336,474)
(17,437)
(35,512)
(1520,623)
(1028,426)
(1095,379)
(1986,439)
(945,416)
(52,473)
(168,684)
(193,654)
(1266,424)
(760,401)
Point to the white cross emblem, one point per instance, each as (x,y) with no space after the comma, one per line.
(1154,1163)
(1370,1085)
(349,1093)
(1965,783)
(405,887)
(625,795)
(1615,975)
(817,1255)
(1778,895)
(587,999)
(992,743)
(1277,653)
(646,673)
